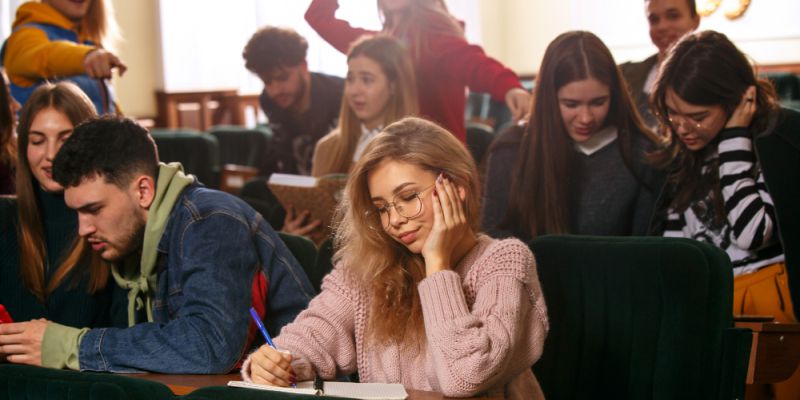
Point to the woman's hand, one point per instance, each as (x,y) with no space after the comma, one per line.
(518,100)
(743,114)
(272,367)
(98,64)
(449,225)
(21,342)
(295,223)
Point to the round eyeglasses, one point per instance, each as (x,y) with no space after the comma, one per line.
(408,204)
(676,120)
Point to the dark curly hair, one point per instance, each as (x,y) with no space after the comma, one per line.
(271,48)
(115,148)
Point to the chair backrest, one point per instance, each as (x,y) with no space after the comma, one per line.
(780,161)
(324,262)
(199,153)
(305,252)
(245,146)
(22,382)
(479,138)
(636,317)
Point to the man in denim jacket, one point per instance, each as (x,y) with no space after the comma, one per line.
(186,254)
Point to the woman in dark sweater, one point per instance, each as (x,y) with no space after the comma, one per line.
(46,270)
(578,167)
(8,148)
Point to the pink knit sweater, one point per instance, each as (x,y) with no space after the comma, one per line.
(485,324)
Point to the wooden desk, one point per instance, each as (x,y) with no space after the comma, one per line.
(185,384)
(775,352)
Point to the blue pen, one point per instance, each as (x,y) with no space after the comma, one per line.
(261,327)
(263,330)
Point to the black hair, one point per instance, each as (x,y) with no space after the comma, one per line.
(112,147)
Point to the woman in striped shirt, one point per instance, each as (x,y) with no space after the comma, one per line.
(714,108)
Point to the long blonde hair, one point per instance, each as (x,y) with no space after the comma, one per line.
(390,55)
(422,18)
(386,269)
(76,106)
(99,24)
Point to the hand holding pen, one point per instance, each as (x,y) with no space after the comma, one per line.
(268,365)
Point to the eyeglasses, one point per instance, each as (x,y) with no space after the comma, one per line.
(676,120)
(407,203)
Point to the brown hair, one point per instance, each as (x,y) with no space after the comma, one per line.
(76,106)
(8,151)
(384,268)
(271,48)
(395,64)
(423,18)
(703,68)
(544,176)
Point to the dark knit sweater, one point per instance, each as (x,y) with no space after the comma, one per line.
(69,304)
(609,198)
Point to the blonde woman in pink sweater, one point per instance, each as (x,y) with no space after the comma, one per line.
(417,295)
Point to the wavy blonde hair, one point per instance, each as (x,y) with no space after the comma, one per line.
(423,18)
(390,55)
(386,269)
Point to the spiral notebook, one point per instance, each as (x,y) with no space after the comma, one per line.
(363,391)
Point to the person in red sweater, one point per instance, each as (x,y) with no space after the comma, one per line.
(444,62)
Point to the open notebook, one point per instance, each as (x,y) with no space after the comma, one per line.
(365,391)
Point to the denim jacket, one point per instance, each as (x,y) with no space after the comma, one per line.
(211,249)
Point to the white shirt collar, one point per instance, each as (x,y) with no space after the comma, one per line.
(364,139)
(597,141)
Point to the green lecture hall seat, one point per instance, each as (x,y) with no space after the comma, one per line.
(197,152)
(638,318)
(23,382)
(245,146)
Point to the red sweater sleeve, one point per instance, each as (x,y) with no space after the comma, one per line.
(321,15)
(469,65)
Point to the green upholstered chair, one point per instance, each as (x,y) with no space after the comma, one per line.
(22,382)
(638,318)
(245,146)
(197,152)
(305,252)
(780,161)
(256,193)
(324,263)
(479,138)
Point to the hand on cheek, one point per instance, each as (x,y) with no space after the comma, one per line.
(449,225)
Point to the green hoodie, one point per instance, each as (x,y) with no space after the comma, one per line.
(61,344)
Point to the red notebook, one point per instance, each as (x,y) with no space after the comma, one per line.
(4,317)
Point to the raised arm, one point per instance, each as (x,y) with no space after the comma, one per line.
(321,15)
(30,54)
(500,337)
(469,64)
(748,205)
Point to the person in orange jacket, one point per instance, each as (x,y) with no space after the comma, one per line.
(63,39)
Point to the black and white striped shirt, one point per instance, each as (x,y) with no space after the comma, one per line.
(749,232)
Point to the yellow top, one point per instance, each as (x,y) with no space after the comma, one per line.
(31,56)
